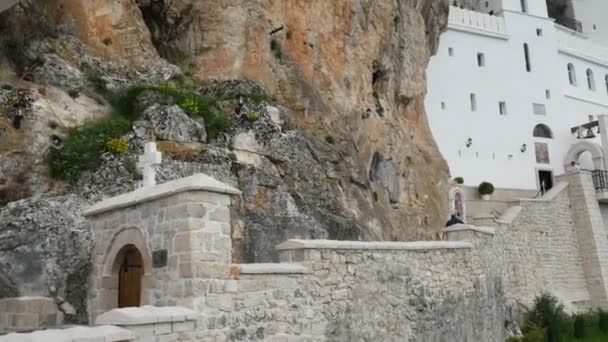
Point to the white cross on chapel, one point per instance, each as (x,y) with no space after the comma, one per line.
(148,162)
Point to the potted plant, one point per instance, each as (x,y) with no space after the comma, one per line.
(458,180)
(485,190)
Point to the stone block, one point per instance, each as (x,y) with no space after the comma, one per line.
(24,320)
(220,214)
(183,326)
(182,242)
(162,328)
(196,210)
(166,338)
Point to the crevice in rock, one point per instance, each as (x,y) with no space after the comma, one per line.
(165,29)
(379,78)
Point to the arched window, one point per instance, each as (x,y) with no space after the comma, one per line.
(527,55)
(571,74)
(542,131)
(590,80)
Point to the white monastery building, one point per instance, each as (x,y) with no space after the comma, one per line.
(517,90)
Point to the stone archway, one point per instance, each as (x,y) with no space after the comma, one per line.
(127,252)
(581,147)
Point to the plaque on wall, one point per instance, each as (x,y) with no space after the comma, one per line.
(159,258)
(542,153)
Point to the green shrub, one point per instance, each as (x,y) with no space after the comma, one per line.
(603,321)
(458,180)
(7,87)
(330,140)
(131,165)
(533,333)
(192,103)
(485,188)
(289,34)
(253,115)
(546,309)
(83,147)
(117,145)
(579,326)
(107,41)
(96,79)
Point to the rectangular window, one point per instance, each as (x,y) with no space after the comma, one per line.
(527,56)
(481,60)
(548,94)
(451,52)
(539,109)
(524,6)
(473,102)
(442,105)
(539,32)
(502,107)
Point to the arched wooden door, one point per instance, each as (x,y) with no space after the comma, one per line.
(129,278)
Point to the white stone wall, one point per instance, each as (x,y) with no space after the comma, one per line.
(496,151)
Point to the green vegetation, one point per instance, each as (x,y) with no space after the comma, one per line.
(485,188)
(117,145)
(253,115)
(107,41)
(330,140)
(289,34)
(131,165)
(96,79)
(547,322)
(83,147)
(458,180)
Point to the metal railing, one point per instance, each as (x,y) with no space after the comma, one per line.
(600,180)
(570,23)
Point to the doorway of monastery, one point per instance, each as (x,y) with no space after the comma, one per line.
(125,275)
(130,276)
(545,180)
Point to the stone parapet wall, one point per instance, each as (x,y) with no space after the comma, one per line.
(342,291)
(535,250)
(28,313)
(73,334)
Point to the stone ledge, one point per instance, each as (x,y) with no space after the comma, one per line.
(468,227)
(273,268)
(405,246)
(146,315)
(75,334)
(197,182)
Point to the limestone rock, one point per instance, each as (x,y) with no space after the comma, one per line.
(351,70)
(45,248)
(171,123)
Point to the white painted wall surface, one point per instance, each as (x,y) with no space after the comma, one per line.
(594,16)
(495,154)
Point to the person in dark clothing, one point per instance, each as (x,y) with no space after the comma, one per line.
(454,220)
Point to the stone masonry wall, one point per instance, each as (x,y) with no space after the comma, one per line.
(192,227)
(359,294)
(537,252)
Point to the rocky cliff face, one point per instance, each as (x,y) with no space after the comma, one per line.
(350,69)
(339,146)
